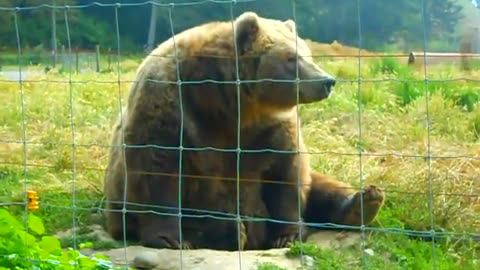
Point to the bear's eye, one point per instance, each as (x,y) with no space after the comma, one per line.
(292,59)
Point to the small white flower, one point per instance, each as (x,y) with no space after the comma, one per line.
(369,251)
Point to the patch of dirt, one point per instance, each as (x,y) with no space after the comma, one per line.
(167,259)
(91,232)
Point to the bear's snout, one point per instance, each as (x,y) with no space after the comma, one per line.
(328,85)
(318,89)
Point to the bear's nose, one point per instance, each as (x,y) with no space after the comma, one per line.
(330,82)
(328,85)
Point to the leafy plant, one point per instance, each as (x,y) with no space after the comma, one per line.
(269,266)
(385,65)
(29,248)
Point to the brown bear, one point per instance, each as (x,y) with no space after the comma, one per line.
(211,125)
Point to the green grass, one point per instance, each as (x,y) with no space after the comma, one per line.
(393,120)
(84,61)
(388,251)
(269,266)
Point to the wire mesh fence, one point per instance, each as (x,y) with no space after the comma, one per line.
(57,126)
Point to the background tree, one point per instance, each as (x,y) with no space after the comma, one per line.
(384,24)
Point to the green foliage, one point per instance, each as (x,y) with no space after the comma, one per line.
(408,91)
(475,125)
(409,253)
(322,258)
(31,249)
(406,84)
(410,87)
(386,65)
(298,249)
(467,97)
(269,266)
(386,251)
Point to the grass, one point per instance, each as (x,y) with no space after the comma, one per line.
(442,195)
(269,266)
(84,61)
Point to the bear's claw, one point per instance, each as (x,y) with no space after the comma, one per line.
(373,198)
(166,242)
(285,240)
(243,236)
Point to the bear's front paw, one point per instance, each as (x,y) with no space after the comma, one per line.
(166,242)
(373,198)
(284,240)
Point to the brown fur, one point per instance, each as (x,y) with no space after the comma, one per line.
(331,201)
(268,120)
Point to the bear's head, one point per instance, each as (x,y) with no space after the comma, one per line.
(278,57)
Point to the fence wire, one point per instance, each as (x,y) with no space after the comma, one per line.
(71,83)
(360,137)
(428,156)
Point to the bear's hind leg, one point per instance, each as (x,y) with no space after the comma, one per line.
(373,198)
(332,201)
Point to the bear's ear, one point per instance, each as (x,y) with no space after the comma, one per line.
(290,24)
(246,27)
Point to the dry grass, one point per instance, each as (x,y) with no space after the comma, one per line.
(336,48)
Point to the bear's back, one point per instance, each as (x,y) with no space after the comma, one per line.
(157,83)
